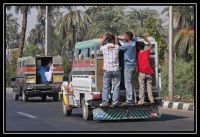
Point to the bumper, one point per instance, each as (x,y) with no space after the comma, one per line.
(122,113)
(35,90)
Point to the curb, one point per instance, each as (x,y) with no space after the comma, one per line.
(178,105)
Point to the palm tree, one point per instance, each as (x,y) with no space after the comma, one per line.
(106,19)
(72,23)
(12,35)
(24,11)
(184,24)
(183,17)
(37,34)
(140,15)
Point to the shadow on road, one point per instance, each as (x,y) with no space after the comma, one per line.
(38,100)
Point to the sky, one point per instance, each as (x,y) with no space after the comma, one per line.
(32,17)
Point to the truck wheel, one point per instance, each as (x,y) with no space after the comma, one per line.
(55,97)
(44,98)
(86,110)
(66,111)
(15,96)
(24,96)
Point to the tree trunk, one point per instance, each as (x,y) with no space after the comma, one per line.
(23,33)
(72,45)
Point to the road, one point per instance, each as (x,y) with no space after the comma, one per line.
(37,116)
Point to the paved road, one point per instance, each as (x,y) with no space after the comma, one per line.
(36,116)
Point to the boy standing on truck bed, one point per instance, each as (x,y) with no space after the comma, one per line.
(111,70)
(145,70)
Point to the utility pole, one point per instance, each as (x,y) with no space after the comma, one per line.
(170,77)
(46,23)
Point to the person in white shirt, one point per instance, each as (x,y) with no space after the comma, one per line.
(111,70)
(49,73)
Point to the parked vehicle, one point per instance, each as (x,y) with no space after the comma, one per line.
(28,83)
(86,81)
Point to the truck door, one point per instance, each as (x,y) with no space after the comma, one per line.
(99,74)
(57,69)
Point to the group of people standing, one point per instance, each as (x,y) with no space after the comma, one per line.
(135,58)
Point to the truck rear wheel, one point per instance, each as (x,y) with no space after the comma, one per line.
(66,111)
(55,97)
(44,98)
(86,110)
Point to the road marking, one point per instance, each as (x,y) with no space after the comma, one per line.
(28,115)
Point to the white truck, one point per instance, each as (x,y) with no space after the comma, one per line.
(84,87)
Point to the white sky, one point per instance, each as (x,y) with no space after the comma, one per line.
(32,17)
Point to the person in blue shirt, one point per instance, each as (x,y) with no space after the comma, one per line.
(41,71)
(128,45)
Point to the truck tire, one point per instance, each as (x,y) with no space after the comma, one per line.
(55,97)
(66,111)
(24,96)
(86,110)
(44,97)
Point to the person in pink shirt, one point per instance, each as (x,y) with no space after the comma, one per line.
(144,69)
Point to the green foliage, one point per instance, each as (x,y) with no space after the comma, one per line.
(11,68)
(66,65)
(153,29)
(31,50)
(183,79)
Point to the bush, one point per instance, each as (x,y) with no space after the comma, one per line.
(183,80)
(11,67)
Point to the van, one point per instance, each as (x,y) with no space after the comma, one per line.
(28,80)
(86,82)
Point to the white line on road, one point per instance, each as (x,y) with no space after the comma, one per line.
(28,115)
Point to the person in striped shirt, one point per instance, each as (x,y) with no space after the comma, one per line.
(111,70)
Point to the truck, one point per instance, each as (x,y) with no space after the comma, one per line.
(27,82)
(84,88)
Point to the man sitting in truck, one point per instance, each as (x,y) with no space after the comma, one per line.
(41,71)
(49,72)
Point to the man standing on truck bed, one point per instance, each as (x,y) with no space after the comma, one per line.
(129,48)
(145,70)
(111,70)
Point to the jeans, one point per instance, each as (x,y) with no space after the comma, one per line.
(130,90)
(108,76)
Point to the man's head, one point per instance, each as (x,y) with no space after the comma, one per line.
(128,36)
(111,38)
(140,45)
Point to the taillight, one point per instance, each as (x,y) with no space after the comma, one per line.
(154,114)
